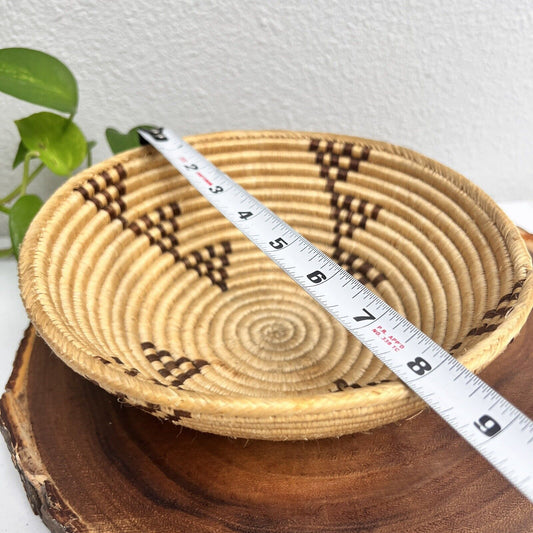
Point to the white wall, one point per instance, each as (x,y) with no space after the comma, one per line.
(451,79)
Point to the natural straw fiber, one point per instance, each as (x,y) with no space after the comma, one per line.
(138,284)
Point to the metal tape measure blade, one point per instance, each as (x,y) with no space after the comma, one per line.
(499,431)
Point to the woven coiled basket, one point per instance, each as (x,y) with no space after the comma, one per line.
(138,284)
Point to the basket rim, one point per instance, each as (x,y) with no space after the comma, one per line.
(114,380)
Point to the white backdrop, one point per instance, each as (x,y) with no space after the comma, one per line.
(453,80)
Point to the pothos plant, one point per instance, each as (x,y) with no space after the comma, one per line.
(47,139)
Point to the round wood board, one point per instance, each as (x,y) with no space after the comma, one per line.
(91,464)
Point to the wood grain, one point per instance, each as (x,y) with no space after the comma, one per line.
(91,464)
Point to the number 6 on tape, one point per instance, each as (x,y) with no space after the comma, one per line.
(499,431)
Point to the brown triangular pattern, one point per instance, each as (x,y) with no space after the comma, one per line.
(175,371)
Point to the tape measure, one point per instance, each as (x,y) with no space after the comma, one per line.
(494,427)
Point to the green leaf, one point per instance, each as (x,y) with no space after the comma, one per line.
(20,217)
(59,142)
(119,142)
(20,155)
(38,78)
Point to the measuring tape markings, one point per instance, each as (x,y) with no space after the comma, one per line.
(500,432)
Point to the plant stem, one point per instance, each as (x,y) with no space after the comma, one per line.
(16,191)
(5,210)
(90,146)
(26,173)
(6,252)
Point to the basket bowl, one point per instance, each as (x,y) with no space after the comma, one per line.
(141,286)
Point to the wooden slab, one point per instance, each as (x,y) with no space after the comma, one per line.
(91,464)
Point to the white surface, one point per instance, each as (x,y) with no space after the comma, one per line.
(16,515)
(15,511)
(452,80)
(521,213)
